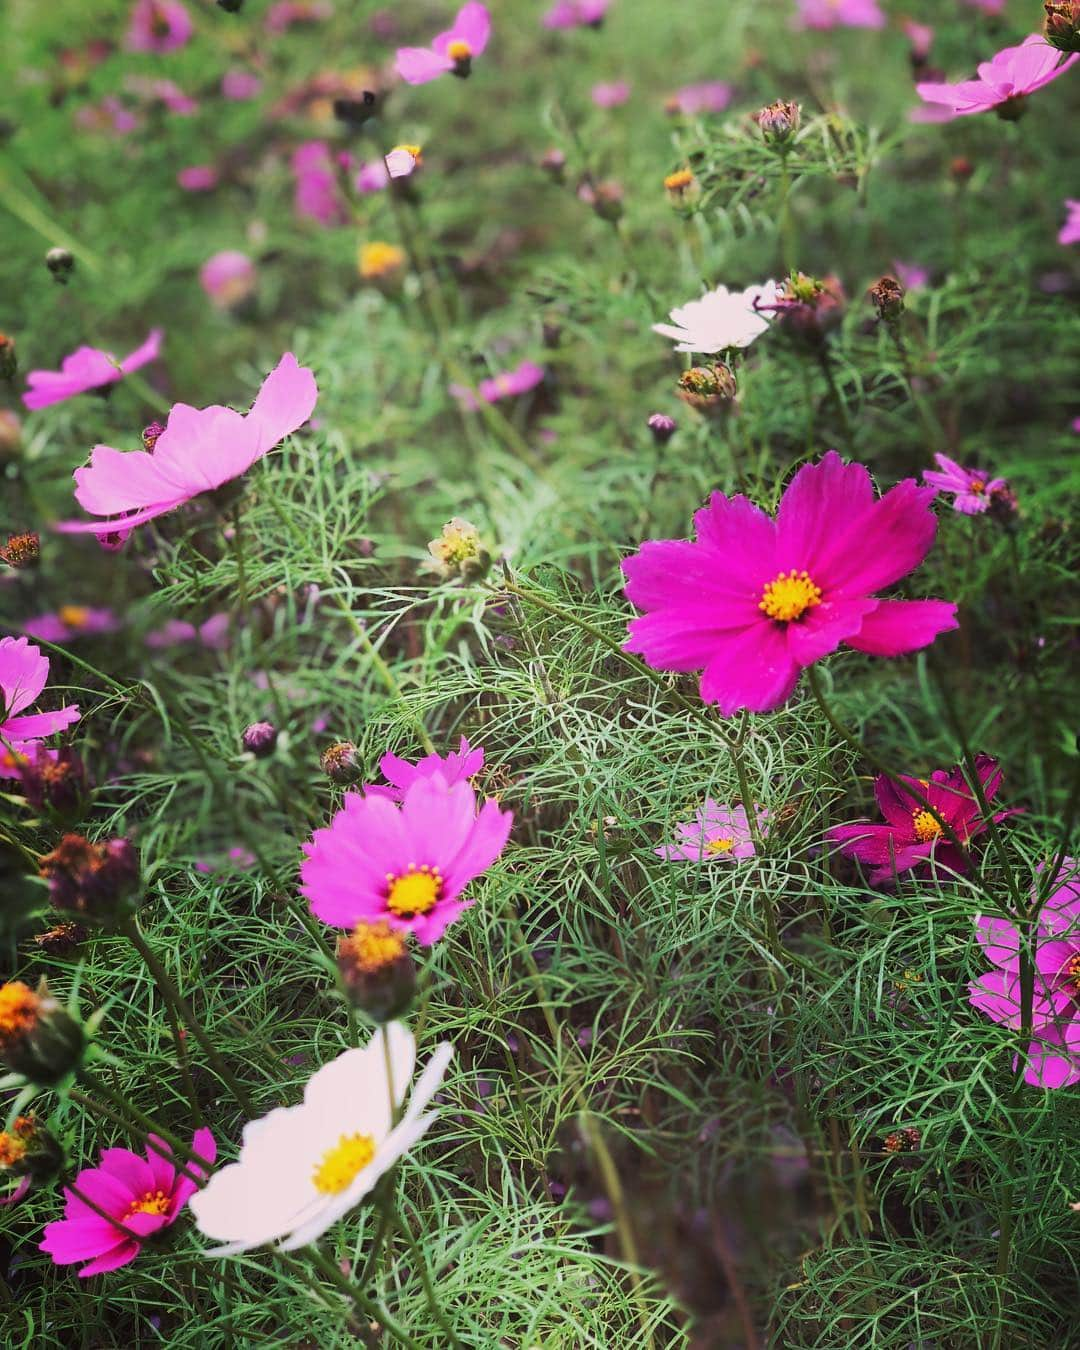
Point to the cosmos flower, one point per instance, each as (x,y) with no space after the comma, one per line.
(85,369)
(911,835)
(576,14)
(1002,81)
(302,1168)
(507,384)
(911,275)
(839,14)
(376,175)
(451,52)
(240,85)
(752,600)
(166,92)
(158,26)
(284,14)
(71,621)
(716,832)
(143,1195)
(973,491)
(1053,1058)
(23,672)
(198,178)
(921,37)
(213,633)
(109,115)
(1070,231)
(610,94)
(316,193)
(720,319)
(987,6)
(458,766)
(708,96)
(228,278)
(200,449)
(407,863)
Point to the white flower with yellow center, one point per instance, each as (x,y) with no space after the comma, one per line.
(301,1168)
(721,319)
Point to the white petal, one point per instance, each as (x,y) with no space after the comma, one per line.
(430,1080)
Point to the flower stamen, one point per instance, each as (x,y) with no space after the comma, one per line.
(926,827)
(414,891)
(340,1165)
(789,596)
(715,846)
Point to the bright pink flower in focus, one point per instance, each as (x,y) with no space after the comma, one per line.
(576,14)
(709,96)
(23,672)
(228,278)
(144,1195)
(612,94)
(71,621)
(716,831)
(280,17)
(452,52)
(200,449)
(1054,1052)
(198,178)
(85,369)
(973,490)
(317,193)
(1012,74)
(752,601)
(406,863)
(911,836)
(1070,231)
(456,767)
(158,26)
(240,85)
(839,14)
(507,384)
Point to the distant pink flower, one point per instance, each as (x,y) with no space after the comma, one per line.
(143,1195)
(85,369)
(198,178)
(240,85)
(753,600)
(987,6)
(407,863)
(974,491)
(317,193)
(611,94)
(108,115)
(709,96)
(450,53)
(839,14)
(71,621)
(911,836)
(716,832)
(458,766)
(158,26)
(280,17)
(1053,1056)
(1076,424)
(238,859)
(921,37)
(200,449)
(228,278)
(576,14)
(1012,74)
(507,384)
(23,672)
(1070,231)
(166,92)
(376,175)
(213,633)
(910,275)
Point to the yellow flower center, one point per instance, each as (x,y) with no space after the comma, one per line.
(1071,971)
(715,846)
(340,1164)
(415,150)
(11,1149)
(679,180)
(380,259)
(789,596)
(977,485)
(73,616)
(925,826)
(18,1010)
(414,892)
(459,50)
(371,946)
(153,1202)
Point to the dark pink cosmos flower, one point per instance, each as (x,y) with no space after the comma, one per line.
(213,633)
(752,600)
(1011,75)
(709,96)
(507,384)
(283,15)
(143,1195)
(456,767)
(973,491)
(610,94)
(71,621)
(1070,231)
(576,14)
(452,52)
(317,193)
(911,835)
(406,863)
(23,672)
(200,449)
(85,369)
(166,92)
(198,178)
(158,26)
(716,832)
(1053,1058)
(240,85)
(839,14)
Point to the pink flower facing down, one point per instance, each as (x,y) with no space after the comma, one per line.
(1002,81)
(911,835)
(23,672)
(317,193)
(752,600)
(576,14)
(143,1194)
(158,26)
(228,278)
(507,384)
(973,491)
(456,767)
(823,14)
(452,52)
(612,94)
(910,275)
(1070,231)
(200,449)
(71,621)
(85,369)
(716,831)
(406,863)
(709,96)
(1054,1052)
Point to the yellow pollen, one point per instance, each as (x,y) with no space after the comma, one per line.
(379,259)
(789,596)
(414,892)
(459,50)
(925,826)
(1071,971)
(677,181)
(73,616)
(371,946)
(153,1202)
(340,1164)
(18,1010)
(977,485)
(415,150)
(11,1149)
(715,846)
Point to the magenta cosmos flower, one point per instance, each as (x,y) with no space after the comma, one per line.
(158,26)
(1006,78)
(839,14)
(1053,1058)
(198,178)
(507,384)
(452,52)
(1070,231)
(709,96)
(23,672)
(456,767)
(973,491)
(717,831)
(228,278)
(406,863)
(576,14)
(200,449)
(85,369)
(752,600)
(610,94)
(71,621)
(143,1195)
(240,85)
(317,193)
(912,836)
(213,633)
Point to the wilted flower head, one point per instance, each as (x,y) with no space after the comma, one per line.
(973,491)
(377,971)
(887,297)
(1003,82)
(717,832)
(576,14)
(779,121)
(30,1151)
(720,320)
(158,26)
(1062,24)
(229,279)
(807,307)
(38,1038)
(21,550)
(95,880)
(23,672)
(709,390)
(53,779)
(85,369)
(710,96)
(450,53)
(839,14)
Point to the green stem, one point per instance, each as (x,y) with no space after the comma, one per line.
(385,673)
(425,1279)
(369,1308)
(135,1122)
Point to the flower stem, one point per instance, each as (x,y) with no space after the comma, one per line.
(135,1122)
(369,1308)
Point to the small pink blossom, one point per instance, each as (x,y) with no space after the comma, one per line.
(280,17)
(1012,74)
(238,859)
(708,96)
(823,14)
(228,278)
(198,178)
(23,672)
(71,621)
(987,6)
(240,85)
(166,92)
(85,369)
(213,633)
(158,26)
(375,175)
(973,490)
(109,115)
(921,37)
(450,53)
(910,275)
(317,193)
(458,766)
(610,94)
(507,384)
(576,14)
(1070,231)
(716,832)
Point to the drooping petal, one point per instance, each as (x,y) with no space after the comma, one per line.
(284,403)
(899,626)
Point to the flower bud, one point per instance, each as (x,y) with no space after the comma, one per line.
(97,880)
(28,1149)
(60,263)
(53,779)
(151,434)
(605,198)
(341,763)
(709,390)
(682,188)
(10,435)
(808,308)
(961,169)
(38,1038)
(377,972)
(902,1141)
(553,163)
(259,739)
(21,550)
(9,362)
(779,121)
(1062,25)
(887,297)
(458,552)
(662,427)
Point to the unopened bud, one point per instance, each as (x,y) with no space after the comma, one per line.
(377,971)
(1062,26)
(28,1149)
(259,739)
(60,263)
(779,121)
(682,188)
(708,389)
(97,880)
(961,169)
(9,362)
(605,198)
(21,550)
(38,1038)
(341,763)
(662,427)
(151,435)
(553,163)
(53,779)
(887,297)
(10,435)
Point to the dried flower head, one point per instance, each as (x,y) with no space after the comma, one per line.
(341,763)
(21,550)
(887,297)
(95,879)
(38,1038)
(457,551)
(708,389)
(1062,24)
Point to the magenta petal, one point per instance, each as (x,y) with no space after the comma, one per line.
(285,401)
(473,25)
(999,940)
(750,669)
(127,1251)
(419,65)
(128,1169)
(899,626)
(822,629)
(817,505)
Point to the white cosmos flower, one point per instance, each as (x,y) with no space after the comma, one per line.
(301,1168)
(720,319)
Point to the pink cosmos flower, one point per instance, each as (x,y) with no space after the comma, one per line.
(143,1195)
(507,384)
(576,14)
(407,863)
(198,178)
(238,859)
(1070,231)
(611,94)
(1007,77)
(452,52)
(317,195)
(280,17)
(910,275)
(108,115)
(1053,1059)
(456,767)
(213,633)
(200,449)
(911,836)
(753,600)
(240,85)
(228,278)
(158,26)
(166,92)
(717,831)
(987,6)
(974,491)
(839,14)
(376,175)
(71,621)
(921,37)
(23,672)
(85,369)
(709,96)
